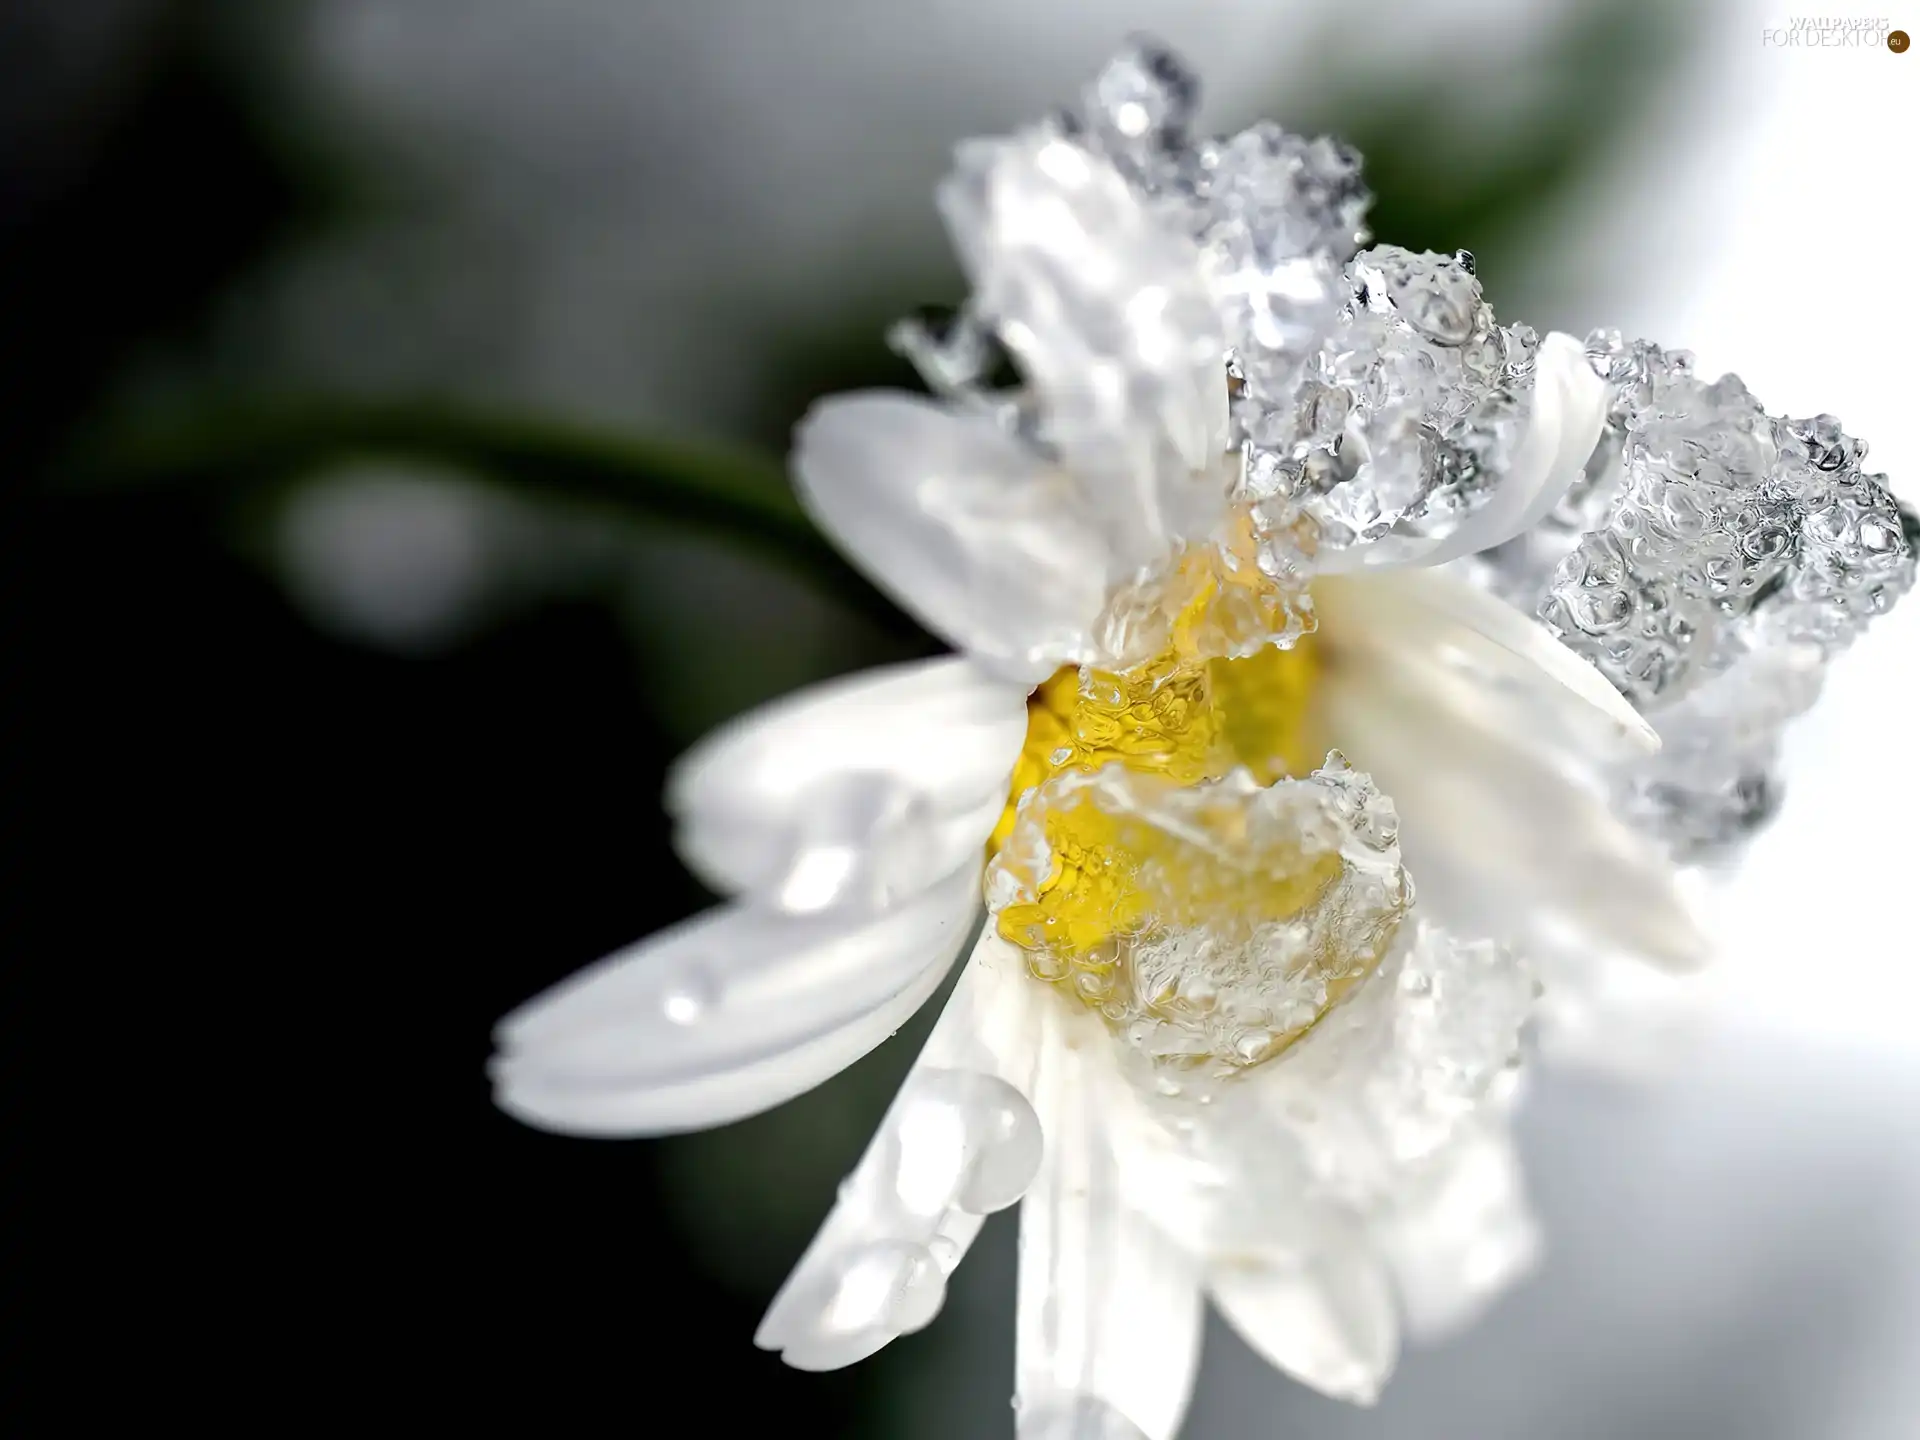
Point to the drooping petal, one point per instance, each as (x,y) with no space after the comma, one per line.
(620,1105)
(1463,1236)
(861,791)
(1107,309)
(1424,619)
(725,1015)
(957,521)
(1504,836)
(960,1141)
(1108,1335)
(1325,1314)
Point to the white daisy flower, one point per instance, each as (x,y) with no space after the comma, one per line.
(1205,1036)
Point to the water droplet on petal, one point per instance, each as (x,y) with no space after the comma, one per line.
(891,1285)
(1009,1154)
(689,996)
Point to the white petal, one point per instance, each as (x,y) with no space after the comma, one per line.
(625,1106)
(1108,312)
(1109,1319)
(959,1141)
(725,1015)
(1391,1075)
(1440,622)
(1075,1417)
(959,522)
(1464,1237)
(1500,838)
(1325,1317)
(1611,1013)
(861,791)
(1575,401)
(1568,411)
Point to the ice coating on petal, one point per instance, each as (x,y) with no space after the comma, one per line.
(1563,424)
(1386,1079)
(1410,412)
(1212,601)
(1105,310)
(958,521)
(1209,924)
(1280,215)
(1276,216)
(1710,551)
(1138,275)
(1643,598)
(1717,779)
(1855,548)
(960,1141)
(1728,528)
(1311,1186)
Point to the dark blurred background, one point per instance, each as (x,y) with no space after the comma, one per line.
(394,396)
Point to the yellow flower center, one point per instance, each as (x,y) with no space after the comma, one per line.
(1186,720)
(1212,693)
(1207,914)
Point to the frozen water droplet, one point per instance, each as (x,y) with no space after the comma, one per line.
(966,1139)
(922,1295)
(1145,91)
(891,1285)
(859,838)
(690,996)
(1252,1046)
(1006,1154)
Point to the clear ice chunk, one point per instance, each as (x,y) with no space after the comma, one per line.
(1144,96)
(1713,562)
(1210,925)
(1409,412)
(1278,217)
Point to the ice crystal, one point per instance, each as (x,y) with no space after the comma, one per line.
(1210,924)
(1712,561)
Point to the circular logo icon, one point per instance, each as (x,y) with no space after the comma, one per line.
(1897,41)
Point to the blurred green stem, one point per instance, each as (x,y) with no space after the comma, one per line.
(741,496)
